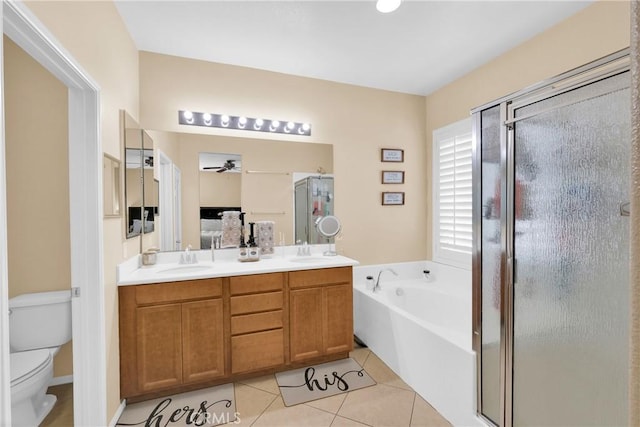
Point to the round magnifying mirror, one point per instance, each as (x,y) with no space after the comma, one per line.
(328,226)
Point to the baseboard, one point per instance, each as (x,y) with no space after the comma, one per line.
(65,379)
(116,416)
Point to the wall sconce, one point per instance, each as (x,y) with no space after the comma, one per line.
(186,117)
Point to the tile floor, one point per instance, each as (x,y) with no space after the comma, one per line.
(389,403)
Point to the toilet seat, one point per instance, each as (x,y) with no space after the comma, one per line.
(26,364)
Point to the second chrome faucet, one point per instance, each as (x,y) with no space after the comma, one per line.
(376,287)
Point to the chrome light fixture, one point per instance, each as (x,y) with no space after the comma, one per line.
(387,6)
(186,117)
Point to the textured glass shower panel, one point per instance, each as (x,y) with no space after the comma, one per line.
(571,248)
(491,250)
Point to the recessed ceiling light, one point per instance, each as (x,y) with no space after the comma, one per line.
(386,6)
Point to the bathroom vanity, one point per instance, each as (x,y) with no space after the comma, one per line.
(185,328)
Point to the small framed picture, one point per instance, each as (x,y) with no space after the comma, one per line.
(393,177)
(393,198)
(392,155)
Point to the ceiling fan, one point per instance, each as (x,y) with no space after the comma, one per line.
(229,165)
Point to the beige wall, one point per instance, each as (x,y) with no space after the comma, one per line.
(36,135)
(357,121)
(94,34)
(260,194)
(597,31)
(220,189)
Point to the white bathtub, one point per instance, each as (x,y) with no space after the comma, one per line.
(422,330)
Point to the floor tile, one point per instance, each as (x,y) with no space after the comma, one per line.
(346,422)
(380,405)
(425,416)
(360,355)
(266,383)
(330,404)
(382,374)
(278,415)
(251,403)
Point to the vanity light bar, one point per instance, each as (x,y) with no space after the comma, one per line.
(186,117)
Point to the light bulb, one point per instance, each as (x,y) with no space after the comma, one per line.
(386,6)
(206,117)
(289,127)
(242,122)
(188,116)
(224,120)
(274,125)
(304,128)
(258,124)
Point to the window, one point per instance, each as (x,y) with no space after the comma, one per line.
(452,193)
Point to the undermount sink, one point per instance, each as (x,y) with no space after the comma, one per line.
(307,259)
(185,269)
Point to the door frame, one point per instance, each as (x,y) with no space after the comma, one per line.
(165,204)
(86,219)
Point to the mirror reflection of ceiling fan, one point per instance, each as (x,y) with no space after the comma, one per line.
(229,165)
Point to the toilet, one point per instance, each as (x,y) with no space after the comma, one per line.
(39,323)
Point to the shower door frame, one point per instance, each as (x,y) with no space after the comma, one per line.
(592,72)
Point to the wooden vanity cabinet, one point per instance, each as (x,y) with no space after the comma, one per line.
(171,335)
(257,322)
(320,312)
(184,335)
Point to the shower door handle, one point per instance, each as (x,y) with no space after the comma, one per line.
(625,209)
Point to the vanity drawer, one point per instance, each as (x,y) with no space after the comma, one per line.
(256,322)
(261,350)
(160,293)
(256,302)
(319,277)
(241,285)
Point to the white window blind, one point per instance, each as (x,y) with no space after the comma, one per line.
(452,194)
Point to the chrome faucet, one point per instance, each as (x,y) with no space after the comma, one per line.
(377,287)
(187,257)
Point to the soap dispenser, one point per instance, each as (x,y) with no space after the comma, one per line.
(253,249)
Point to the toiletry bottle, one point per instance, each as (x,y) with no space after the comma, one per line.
(252,248)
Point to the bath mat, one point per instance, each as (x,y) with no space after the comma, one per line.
(207,407)
(316,382)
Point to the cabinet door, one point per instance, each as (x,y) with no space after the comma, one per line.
(305,323)
(203,341)
(337,318)
(159,346)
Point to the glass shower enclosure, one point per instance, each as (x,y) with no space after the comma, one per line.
(313,199)
(551,250)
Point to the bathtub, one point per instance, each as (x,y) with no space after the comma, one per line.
(422,330)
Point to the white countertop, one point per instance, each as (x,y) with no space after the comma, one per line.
(168,269)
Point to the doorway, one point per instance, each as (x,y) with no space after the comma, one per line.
(85,212)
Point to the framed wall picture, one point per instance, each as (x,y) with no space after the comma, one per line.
(393,198)
(393,177)
(392,155)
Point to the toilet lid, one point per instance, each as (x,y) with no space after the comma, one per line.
(25,364)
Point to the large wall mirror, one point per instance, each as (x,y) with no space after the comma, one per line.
(139,188)
(219,173)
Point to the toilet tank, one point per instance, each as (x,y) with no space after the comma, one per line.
(39,320)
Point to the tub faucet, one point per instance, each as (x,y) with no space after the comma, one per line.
(376,287)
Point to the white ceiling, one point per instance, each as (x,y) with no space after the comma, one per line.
(417,49)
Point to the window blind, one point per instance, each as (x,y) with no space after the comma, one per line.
(453,193)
